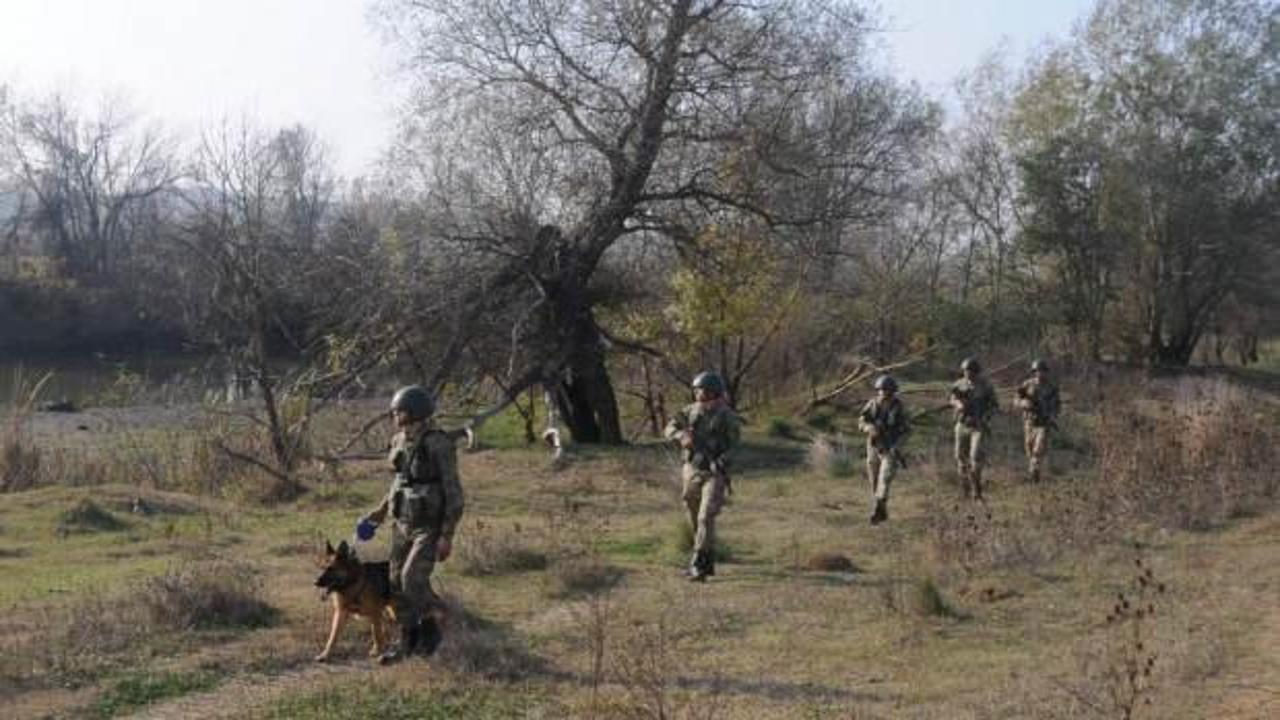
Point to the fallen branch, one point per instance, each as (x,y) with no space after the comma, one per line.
(251,460)
(340,453)
(859,374)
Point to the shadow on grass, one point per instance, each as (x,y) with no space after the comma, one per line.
(780,690)
(476,645)
(755,456)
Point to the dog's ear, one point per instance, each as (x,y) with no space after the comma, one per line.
(328,548)
(343,549)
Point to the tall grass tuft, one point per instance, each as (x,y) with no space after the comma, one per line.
(80,642)
(493,550)
(20,460)
(832,455)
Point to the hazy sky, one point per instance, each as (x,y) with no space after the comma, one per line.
(318,62)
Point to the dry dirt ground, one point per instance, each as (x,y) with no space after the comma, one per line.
(599,624)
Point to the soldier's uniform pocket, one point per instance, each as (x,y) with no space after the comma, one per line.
(422,508)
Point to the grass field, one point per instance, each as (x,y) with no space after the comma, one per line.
(119,599)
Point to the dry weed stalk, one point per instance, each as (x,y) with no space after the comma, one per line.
(1119,674)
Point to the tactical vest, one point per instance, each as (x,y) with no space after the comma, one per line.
(418,499)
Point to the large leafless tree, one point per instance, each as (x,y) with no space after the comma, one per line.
(546,134)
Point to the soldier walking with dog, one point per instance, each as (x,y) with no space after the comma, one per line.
(885,423)
(707,431)
(1038,400)
(974,401)
(425,502)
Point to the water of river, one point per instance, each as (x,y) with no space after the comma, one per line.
(98,380)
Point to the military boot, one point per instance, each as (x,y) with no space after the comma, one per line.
(698,567)
(430,636)
(881,513)
(693,569)
(410,637)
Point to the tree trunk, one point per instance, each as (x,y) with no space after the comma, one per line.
(587,401)
(575,408)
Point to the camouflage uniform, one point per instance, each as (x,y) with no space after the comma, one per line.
(885,422)
(977,400)
(1038,398)
(715,429)
(426,502)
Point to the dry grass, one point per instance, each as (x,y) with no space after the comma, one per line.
(833,456)
(19,461)
(580,576)
(206,596)
(500,550)
(19,457)
(81,641)
(475,645)
(1194,462)
(575,608)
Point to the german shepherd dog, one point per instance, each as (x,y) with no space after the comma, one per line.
(359,588)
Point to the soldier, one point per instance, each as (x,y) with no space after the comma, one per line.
(707,430)
(1038,399)
(974,401)
(884,420)
(426,503)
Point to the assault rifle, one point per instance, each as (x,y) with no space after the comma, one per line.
(716,462)
(970,415)
(1035,409)
(877,440)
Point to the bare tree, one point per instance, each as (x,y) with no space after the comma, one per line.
(548,133)
(267,276)
(982,178)
(84,176)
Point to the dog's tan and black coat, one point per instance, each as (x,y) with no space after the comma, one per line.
(357,588)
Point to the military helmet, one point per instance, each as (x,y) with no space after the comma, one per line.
(886,383)
(971,364)
(415,401)
(709,381)
(1039,365)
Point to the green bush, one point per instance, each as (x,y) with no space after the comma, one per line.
(87,517)
(780,427)
(822,423)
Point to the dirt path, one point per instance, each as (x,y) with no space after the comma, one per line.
(244,694)
(1252,686)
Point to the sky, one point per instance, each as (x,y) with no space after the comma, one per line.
(188,63)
